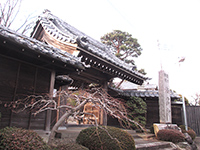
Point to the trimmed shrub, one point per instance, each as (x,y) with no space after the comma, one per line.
(192,134)
(190,131)
(18,139)
(171,135)
(106,138)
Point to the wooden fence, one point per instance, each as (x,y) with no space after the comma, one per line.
(193,118)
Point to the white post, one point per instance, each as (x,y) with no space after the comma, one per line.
(183,100)
(184,113)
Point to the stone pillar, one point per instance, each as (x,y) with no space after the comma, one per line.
(164,98)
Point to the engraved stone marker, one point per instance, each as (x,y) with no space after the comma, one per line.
(164,98)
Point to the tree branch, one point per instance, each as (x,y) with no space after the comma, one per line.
(98,98)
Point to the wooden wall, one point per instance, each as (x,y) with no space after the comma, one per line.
(152,115)
(153,112)
(193,118)
(17,80)
(177,114)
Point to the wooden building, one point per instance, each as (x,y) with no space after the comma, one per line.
(39,64)
(151,97)
(29,66)
(101,65)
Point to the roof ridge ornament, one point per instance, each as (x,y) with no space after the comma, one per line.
(82,42)
(47,14)
(46,11)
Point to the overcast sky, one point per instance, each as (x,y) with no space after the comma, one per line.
(174,23)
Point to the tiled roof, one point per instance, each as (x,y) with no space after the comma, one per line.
(39,47)
(64,32)
(143,93)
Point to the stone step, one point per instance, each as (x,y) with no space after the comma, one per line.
(156,146)
(147,141)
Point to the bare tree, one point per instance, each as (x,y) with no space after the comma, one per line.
(75,102)
(196,99)
(9,10)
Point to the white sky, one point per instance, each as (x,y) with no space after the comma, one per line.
(175,23)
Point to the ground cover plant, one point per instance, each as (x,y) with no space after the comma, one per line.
(18,139)
(106,138)
(171,135)
(69,146)
(22,139)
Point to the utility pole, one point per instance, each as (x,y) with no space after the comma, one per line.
(184,113)
(183,101)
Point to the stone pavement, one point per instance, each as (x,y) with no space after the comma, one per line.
(143,141)
(197,142)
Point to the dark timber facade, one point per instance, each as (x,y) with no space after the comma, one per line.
(29,67)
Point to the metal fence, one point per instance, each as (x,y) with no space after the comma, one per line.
(193,118)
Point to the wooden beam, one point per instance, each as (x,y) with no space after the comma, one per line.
(109,68)
(65,46)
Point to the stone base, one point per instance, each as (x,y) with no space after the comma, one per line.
(158,127)
(62,128)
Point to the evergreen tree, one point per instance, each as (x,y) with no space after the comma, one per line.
(125,46)
(137,108)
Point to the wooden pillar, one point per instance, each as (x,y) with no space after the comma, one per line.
(48,114)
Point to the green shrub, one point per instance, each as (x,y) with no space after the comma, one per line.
(137,108)
(183,128)
(69,146)
(18,139)
(171,135)
(190,131)
(106,138)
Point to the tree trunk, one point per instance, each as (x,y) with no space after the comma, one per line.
(62,119)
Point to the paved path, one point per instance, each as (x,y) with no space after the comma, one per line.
(197,142)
